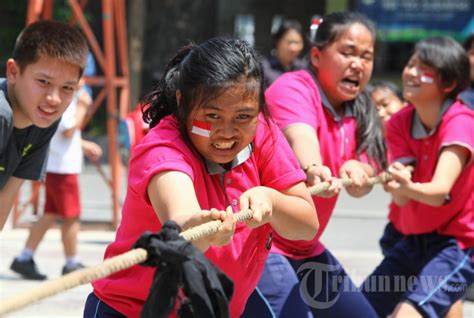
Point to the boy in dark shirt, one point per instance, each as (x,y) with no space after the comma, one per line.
(41,79)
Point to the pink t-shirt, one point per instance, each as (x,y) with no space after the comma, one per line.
(271,164)
(295,98)
(408,143)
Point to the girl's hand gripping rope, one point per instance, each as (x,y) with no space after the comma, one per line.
(260,201)
(316,174)
(227,228)
(401,177)
(358,173)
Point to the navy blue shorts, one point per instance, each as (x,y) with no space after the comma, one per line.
(324,290)
(389,238)
(96,308)
(429,271)
(277,293)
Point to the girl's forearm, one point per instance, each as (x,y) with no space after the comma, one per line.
(427,193)
(293,217)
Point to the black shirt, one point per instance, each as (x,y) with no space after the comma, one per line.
(23,152)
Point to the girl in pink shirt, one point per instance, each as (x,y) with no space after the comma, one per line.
(211,151)
(430,238)
(334,130)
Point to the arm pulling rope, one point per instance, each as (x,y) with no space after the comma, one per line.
(108,267)
(131,258)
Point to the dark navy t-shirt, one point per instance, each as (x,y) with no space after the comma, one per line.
(23,152)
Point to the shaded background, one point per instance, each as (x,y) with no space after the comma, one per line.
(156,29)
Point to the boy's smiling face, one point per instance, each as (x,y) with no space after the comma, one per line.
(41,92)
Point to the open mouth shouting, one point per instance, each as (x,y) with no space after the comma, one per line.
(351,84)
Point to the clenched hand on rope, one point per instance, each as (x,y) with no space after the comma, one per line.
(162,246)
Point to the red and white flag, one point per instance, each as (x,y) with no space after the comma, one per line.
(315,23)
(427,78)
(201,128)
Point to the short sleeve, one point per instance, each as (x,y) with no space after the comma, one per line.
(278,166)
(459,130)
(293,98)
(149,160)
(6,124)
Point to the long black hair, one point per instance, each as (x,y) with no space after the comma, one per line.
(201,72)
(369,135)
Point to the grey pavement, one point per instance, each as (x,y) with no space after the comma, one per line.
(352,235)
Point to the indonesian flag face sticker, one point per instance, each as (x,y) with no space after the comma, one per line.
(201,128)
(427,78)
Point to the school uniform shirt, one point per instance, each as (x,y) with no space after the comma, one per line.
(269,162)
(409,143)
(295,98)
(65,153)
(23,152)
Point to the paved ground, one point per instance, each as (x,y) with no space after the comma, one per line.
(351,235)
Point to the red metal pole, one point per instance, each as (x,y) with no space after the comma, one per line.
(47,10)
(109,70)
(95,105)
(123,56)
(82,5)
(34,10)
(94,44)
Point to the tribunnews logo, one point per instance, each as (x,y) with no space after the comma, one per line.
(319,279)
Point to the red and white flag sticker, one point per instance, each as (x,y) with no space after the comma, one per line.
(201,128)
(427,78)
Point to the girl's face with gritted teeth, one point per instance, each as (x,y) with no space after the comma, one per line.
(231,119)
(345,66)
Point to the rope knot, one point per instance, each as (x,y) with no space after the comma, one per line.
(182,268)
(165,248)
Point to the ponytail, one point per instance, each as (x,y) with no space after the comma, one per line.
(161,101)
(201,72)
(369,136)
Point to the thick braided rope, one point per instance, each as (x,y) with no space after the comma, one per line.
(323,186)
(130,258)
(76,278)
(212,227)
(108,267)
